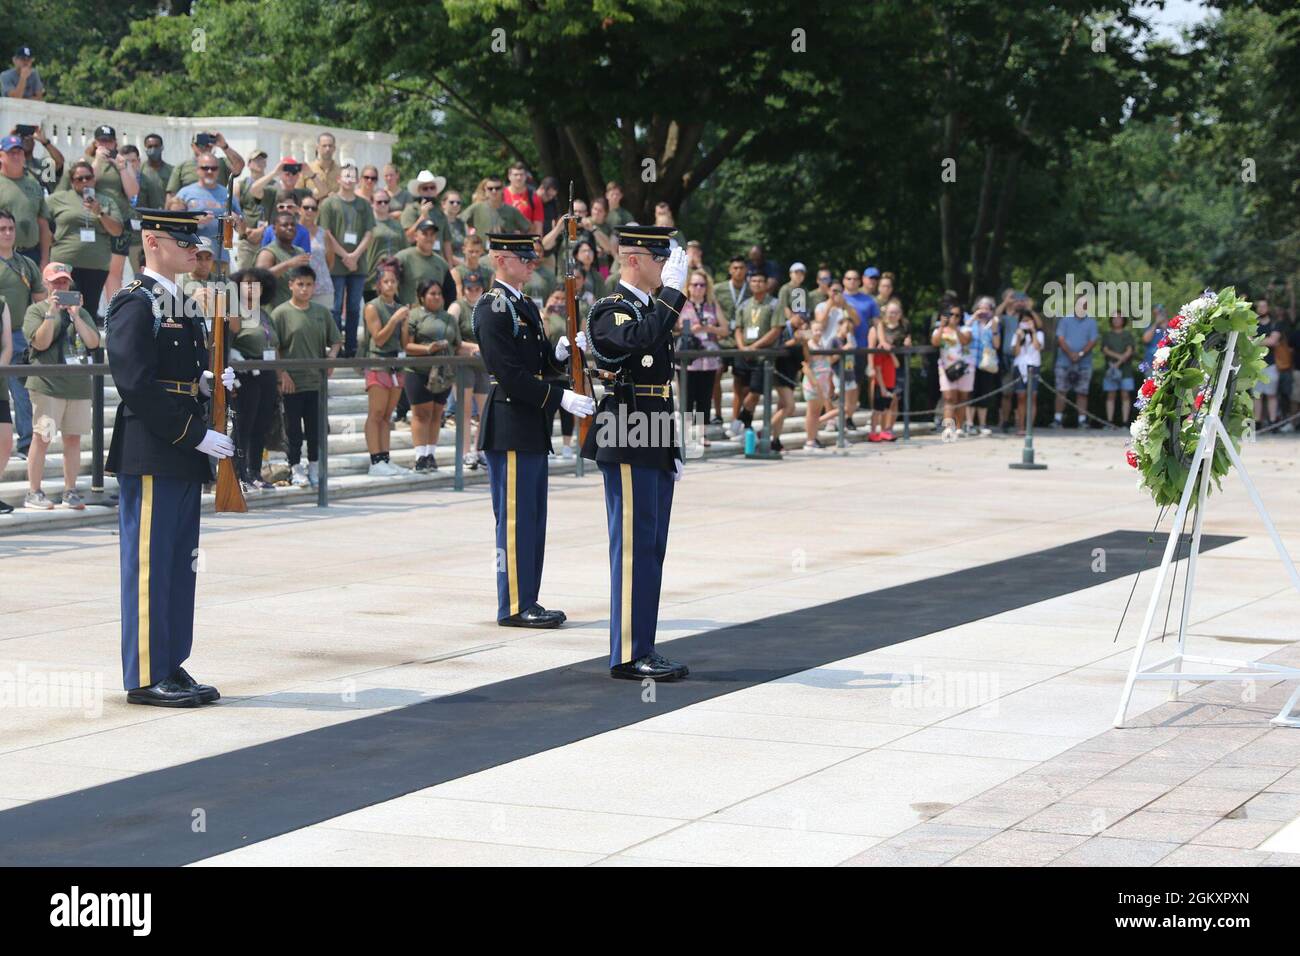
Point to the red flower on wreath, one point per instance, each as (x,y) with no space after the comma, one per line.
(1176,322)
(1132,458)
(1200,398)
(1148,388)
(1162,343)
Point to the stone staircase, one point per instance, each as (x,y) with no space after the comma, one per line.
(348,458)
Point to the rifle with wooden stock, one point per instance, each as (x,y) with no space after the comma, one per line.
(230,494)
(577,369)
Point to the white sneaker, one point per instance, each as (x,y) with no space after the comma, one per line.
(735,428)
(378,470)
(313,473)
(298,478)
(985,430)
(566,452)
(37,501)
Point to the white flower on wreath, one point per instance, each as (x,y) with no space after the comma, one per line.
(1139,430)
(1197,309)
(1161,358)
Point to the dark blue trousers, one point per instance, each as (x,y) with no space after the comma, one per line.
(519,504)
(638,503)
(158,525)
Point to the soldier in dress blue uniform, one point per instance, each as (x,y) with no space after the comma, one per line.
(162,452)
(634,441)
(515,431)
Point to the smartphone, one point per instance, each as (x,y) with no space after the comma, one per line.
(70,300)
(22,129)
(88,194)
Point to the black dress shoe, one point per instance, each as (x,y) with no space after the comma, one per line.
(560,614)
(207,693)
(682,669)
(535,616)
(652,666)
(168,692)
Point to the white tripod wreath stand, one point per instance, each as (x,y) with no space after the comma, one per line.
(1171,668)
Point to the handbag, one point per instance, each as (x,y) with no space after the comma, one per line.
(956,370)
(441,378)
(988,360)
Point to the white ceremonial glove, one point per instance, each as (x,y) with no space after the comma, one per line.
(579,406)
(674,271)
(216,445)
(678,468)
(562,346)
(227,379)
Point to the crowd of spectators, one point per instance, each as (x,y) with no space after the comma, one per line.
(339,260)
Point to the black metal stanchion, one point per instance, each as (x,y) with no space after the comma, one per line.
(841,440)
(323,430)
(907,396)
(458,482)
(1027,454)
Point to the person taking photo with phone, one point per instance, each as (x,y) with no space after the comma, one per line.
(60,330)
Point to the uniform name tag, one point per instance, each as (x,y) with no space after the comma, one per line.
(87,235)
(751,333)
(349,238)
(268,355)
(135,224)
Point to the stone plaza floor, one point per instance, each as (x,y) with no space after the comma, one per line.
(988,742)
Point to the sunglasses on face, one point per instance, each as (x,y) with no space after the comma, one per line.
(308,208)
(494,189)
(373,179)
(699,285)
(208,169)
(378,202)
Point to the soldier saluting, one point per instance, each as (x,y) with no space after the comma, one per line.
(634,442)
(515,429)
(161,452)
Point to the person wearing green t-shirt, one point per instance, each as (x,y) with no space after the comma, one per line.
(429,331)
(58,333)
(493,214)
(616,215)
(230,162)
(86,225)
(389,240)
(384,317)
(115,179)
(281,257)
(305,330)
(1117,351)
(254,337)
(474,265)
(349,224)
(22,195)
(20,286)
(462,310)
(757,327)
(420,262)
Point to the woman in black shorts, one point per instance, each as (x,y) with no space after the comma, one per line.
(429,331)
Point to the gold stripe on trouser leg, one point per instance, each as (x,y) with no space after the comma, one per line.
(512,521)
(142,579)
(625,472)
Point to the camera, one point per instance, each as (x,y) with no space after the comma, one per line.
(292,167)
(68,300)
(204,140)
(23,129)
